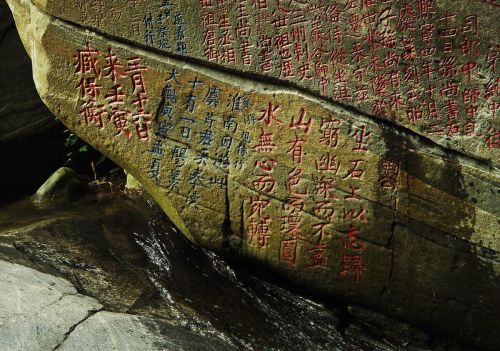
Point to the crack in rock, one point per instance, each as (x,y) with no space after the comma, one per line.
(90,314)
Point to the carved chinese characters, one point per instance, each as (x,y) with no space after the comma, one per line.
(114,107)
(308,181)
(306,167)
(209,128)
(334,199)
(429,66)
(298,182)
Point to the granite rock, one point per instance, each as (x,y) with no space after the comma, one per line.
(37,309)
(113,331)
(41,312)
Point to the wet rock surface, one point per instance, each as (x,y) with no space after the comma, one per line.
(133,281)
(44,312)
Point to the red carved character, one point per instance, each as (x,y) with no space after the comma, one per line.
(294,178)
(328,163)
(300,123)
(288,251)
(297,149)
(259,230)
(86,61)
(355,172)
(355,215)
(257,207)
(112,69)
(319,258)
(268,114)
(265,142)
(361,137)
(352,264)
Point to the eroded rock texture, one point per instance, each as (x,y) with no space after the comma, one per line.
(44,312)
(427,65)
(351,147)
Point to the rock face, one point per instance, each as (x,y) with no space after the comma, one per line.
(108,331)
(356,156)
(427,65)
(21,111)
(55,301)
(44,312)
(162,288)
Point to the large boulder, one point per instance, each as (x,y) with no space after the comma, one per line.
(379,211)
(427,65)
(160,288)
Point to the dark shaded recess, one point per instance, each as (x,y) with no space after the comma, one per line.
(27,162)
(439,281)
(22,112)
(32,141)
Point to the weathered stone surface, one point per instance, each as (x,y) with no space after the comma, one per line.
(375,322)
(111,331)
(21,111)
(37,310)
(331,199)
(201,292)
(430,66)
(40,312)
(91,242)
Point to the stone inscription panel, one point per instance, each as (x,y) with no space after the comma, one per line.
(306,177)
(427,65)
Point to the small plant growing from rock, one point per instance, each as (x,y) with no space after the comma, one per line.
(99,169)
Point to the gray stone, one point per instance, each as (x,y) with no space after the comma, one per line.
(111,331)
(37,309)
(41,312)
